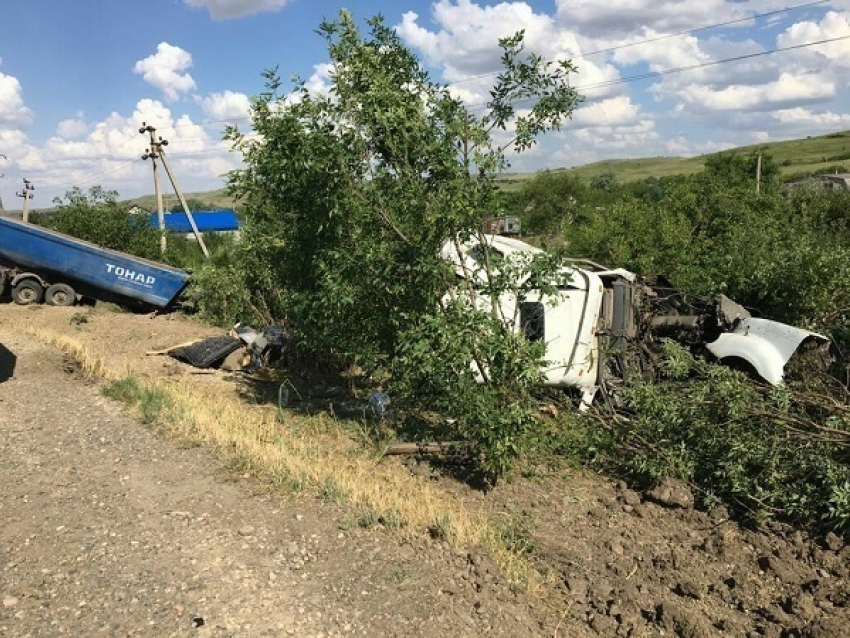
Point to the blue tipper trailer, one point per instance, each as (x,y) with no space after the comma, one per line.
(39,264)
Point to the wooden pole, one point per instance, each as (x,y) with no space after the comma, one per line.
(183,203)
(444,447)
(160,213)
(27,195)
(153,155)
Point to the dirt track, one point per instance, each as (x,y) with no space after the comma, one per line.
(107,528)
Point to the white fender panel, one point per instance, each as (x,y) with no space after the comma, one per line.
(766,345)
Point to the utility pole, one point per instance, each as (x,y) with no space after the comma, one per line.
(27,195)
(157,152)
(758,174)
(153,155)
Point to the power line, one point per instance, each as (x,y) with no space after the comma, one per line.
(115,169)
(717,25)
(590,87)
(598,85)
(705,28)
(702,65)
(682,69)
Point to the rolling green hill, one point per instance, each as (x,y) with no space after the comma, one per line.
(217,198)
(796,158)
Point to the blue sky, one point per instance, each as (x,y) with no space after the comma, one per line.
(78,78)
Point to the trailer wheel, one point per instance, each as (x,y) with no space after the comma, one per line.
(60,295)
(27,291)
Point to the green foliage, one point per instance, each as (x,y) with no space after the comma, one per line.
(194,205)
(97,217)
(237,284)
(767,452)
(741,171)
(606,181)
(351,197)
(784,252)
(442,359)
(778,452)
(551,200)
(153,404)
(514,532)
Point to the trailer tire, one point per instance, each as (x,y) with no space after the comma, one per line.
(27,291)
(60,295)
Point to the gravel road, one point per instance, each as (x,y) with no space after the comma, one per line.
(107,529)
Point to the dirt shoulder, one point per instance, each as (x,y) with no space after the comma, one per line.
(109,528)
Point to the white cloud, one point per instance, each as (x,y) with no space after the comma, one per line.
(228,9)
(636,137)
(109,154)
(787,90)
(13,112)
(464,45)
(790,123)
(615,111)
(165,70)
(682,145)
(833,25)
(626,17)
(663,54)
(823,121)
(319,82)
(678,145)
(71,128)
(226,107)
(732,100)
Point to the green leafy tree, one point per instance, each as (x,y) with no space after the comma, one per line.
(193,204)
(97,216)
(606,181)
(741,171)
(552,199)
(356,192)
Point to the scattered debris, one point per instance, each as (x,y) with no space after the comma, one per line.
(444,447)
(243,349)
(621,320)
(378,402)
(207,353)
(237,360)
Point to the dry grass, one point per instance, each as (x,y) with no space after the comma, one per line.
(297,453)
(90,364)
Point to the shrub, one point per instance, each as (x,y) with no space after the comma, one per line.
(769,452)
(99,218)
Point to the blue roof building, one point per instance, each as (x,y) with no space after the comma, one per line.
(207,221)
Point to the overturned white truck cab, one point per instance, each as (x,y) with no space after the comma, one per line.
(599,324)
